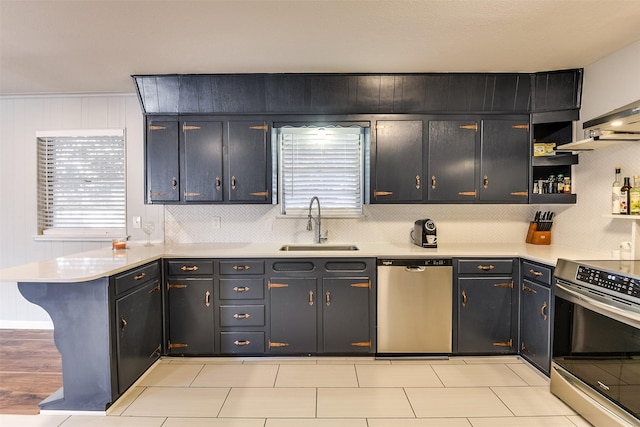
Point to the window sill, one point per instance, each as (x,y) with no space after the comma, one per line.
(81,235)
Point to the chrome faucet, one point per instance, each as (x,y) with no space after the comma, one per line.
(319,237)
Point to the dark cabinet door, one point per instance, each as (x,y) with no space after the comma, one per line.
(202,161)
(139,332)
(345,315)
(248,177)
(535,330)
(191,319)
(504,161)
(452,161)
(398,164)
(293,311)
(485,315)
(162,161)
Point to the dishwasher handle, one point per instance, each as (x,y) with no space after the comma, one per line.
(414,268)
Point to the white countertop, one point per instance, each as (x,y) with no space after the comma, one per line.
(94,264)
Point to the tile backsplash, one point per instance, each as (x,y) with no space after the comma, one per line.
(389,223)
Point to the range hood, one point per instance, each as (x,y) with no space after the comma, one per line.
(616,127)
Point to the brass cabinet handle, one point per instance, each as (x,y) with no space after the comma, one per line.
(464,299)
(542,308)
(470,127)
(207,299)
(485,182)
(310,297)
(485,267)
(241,343)
(504,343)
(186,268)
(241,267)
(528,289)
(433,182)
(526,349)
(191,194)
(123,324)
(172,286)
(504,285)
(361,344)
(278,344)
(139,276)
(328,298)
(520,193)
(260,193)
(467,193)
(233,182)
(177,345)
(418,182)
(535,273)
(174,182)
(155,289)
(157,193)
(382,193)
(241,288)
(218,183)
(241,316)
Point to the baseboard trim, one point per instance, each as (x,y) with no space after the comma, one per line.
(26,324)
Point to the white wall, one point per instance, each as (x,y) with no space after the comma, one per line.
(608,84)
(20,118)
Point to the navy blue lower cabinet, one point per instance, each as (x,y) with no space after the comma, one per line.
(486,306)
(536,314)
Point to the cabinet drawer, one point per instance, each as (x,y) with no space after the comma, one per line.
(242,342)
(241,288)
(241,315)
(242,267)
(485,266)
(137,276)
(537,272)
(191,267)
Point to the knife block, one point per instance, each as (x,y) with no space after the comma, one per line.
(541,238)
(533,227)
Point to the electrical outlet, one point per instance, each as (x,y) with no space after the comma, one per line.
(137,222)
(215,222)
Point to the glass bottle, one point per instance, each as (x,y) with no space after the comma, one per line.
(624,196)
(615,193)
(560,183)
(634,196)
(567,185)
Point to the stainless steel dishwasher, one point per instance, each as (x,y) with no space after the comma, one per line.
(415,306)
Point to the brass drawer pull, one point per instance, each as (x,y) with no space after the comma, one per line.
(278,344)
(535,273)
(504,343)
(241,343)
(242,316)
(139,276)
(542,308)
(485,267)
(241,288)
(260,194)
(382,193)
(186,268)
(241,267)
(520,193)
(467,193)
(528,289)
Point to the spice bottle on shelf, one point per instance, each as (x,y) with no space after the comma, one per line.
(624,196)
(560,183)
(634,196)
(567,185)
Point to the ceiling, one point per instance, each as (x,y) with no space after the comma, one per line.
(63,46)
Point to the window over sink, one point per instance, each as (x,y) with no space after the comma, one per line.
(329,162)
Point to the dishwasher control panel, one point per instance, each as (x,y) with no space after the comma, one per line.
(420,262)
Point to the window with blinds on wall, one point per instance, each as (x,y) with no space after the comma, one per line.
(81,183)
(327,162)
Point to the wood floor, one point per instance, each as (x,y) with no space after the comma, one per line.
(30,370)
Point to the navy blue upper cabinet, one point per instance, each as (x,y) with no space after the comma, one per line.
(556,90)
(338,93)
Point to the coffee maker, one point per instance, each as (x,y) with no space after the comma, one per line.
(425,233)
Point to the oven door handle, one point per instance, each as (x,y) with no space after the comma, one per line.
(624,316)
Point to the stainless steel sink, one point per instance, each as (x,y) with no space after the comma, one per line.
(319,248)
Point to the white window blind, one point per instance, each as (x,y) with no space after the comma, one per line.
(324,162)
(81,183)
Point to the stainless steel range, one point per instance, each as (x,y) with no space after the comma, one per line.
(596,342)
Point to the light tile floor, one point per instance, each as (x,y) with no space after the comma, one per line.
(330,392)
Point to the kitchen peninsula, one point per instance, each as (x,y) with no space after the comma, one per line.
(89,296)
